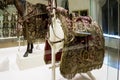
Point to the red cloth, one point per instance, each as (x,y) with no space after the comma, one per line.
(47,54)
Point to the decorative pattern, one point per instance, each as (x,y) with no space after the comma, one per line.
(13,25)
(5,29)
(35,24)
(86,51)
(83,49)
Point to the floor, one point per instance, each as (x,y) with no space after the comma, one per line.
(109,70)
(112,58)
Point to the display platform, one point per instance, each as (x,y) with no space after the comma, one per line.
(34,59)
(4,64)
(43,72)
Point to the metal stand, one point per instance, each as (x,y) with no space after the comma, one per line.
(38,46)
(53,52)
(19,41)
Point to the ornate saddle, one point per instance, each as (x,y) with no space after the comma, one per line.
(83,48)
(86,51)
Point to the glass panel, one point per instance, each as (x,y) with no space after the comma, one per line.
(113,47)
(107,14)
(8,27)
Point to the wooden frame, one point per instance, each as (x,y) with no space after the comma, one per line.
(83,12)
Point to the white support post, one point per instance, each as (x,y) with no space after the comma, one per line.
(19,44)
(53,65)
(38,46)
(53,52)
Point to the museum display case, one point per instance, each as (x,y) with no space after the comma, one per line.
(13,45)
(108,16)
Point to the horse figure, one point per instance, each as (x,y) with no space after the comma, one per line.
(32,18)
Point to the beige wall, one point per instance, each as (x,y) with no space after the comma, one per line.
(79,5)
(91,5)
(73,4)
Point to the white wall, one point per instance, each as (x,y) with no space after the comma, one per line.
(93,10)
(112,42)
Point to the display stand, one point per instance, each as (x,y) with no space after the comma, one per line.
(34,59)
(53,52)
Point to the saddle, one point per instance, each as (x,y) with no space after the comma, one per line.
(47,56)
(81,54)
